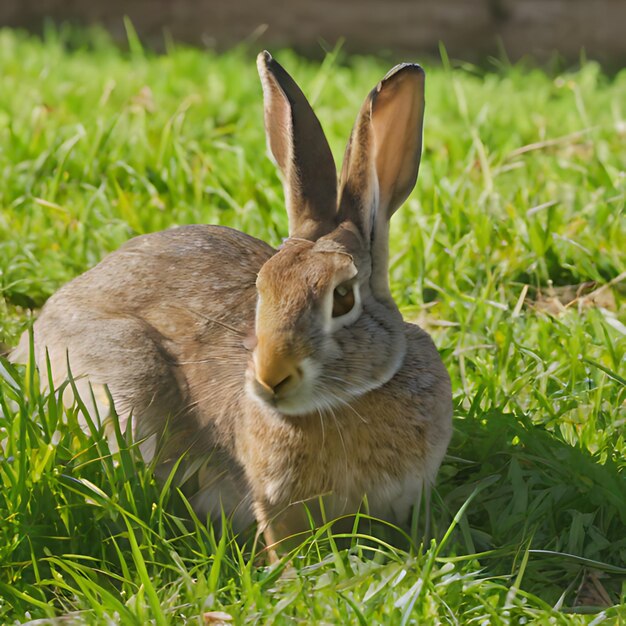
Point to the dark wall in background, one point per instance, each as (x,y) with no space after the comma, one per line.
(470,29)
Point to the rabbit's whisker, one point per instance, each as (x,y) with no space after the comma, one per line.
(363,382)
(208,318)
(209,360)
(331,410)
(236,391)
(319,412)
(349,406)
(344,399)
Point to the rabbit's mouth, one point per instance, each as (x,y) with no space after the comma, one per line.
(296,394)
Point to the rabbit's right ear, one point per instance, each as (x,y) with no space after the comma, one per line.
(381,162)
(299,146)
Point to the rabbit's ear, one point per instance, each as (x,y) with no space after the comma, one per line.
(382,160)
(297,142)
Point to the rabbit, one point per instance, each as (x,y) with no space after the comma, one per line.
(281,376)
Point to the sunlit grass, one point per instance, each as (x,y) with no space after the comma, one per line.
(522,191)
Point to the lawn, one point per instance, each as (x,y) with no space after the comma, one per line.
(511,252)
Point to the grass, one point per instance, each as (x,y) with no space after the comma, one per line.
(522,191)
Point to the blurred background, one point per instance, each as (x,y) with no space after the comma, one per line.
(470,29)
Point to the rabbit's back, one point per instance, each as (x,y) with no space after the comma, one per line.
(197,266)
(162,322)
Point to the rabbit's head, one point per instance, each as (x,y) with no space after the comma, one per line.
(327,329)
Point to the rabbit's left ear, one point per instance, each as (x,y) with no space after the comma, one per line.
(381,162)
(301,151)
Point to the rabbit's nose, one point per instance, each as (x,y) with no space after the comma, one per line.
(278,375)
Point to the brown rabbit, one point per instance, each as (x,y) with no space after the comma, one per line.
(284,375)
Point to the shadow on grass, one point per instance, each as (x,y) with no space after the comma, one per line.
(558,503)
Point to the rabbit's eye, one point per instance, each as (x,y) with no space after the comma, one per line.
(343,300)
